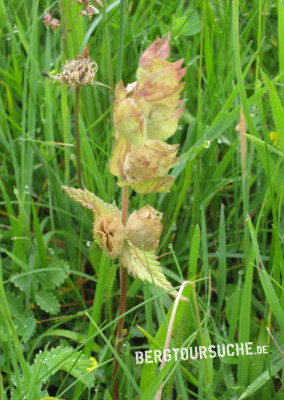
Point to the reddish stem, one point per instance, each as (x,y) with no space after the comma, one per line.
(122,303)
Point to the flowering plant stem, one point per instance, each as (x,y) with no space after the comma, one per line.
(77,135)
(122,301)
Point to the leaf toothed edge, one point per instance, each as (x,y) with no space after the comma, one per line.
(91,201)
(138,262)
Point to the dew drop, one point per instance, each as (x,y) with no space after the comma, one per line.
(174,227)
(206,144)
(27,189)
(15,28)
(88,244)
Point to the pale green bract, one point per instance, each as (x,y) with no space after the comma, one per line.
(156,185)
(145,266)
(91,201)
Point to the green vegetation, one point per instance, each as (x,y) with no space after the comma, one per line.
(59,293)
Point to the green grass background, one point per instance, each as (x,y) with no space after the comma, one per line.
(50,269)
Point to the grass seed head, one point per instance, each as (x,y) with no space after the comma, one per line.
(47,19)
(54,25)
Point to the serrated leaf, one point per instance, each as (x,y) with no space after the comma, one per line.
(91,201)
(47,302)
(156,185)
(145,266)
(15,303)
(65,359)
(17,394)
(25,326)
(118,155)
(54,278)
(20,282)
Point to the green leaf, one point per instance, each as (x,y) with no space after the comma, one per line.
(262,379)
(265,280)
(91,201)
(16,304)
(47,302)
(261,143)
(277,110)
(156,185)
(65,359)
(55,278)
(77,337)
(25,327)
(144,265)
(51,398)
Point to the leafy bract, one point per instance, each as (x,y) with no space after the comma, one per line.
(91,201)
(145,266)
(156,185)
(161,120)
(128,117)
(118,155)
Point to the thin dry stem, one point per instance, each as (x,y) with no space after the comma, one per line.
(77,135)
(170,328)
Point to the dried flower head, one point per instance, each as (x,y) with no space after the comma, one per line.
(54,25)
(144,228)
(79,72)
(46,20)
(110,232)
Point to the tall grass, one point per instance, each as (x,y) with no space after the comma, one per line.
(222,220)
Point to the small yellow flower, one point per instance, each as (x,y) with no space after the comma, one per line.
(94,364)
(273,136)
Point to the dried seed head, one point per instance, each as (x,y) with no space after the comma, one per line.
(110,232)
(144,228)
(46,20)
(79,72)
(54,25)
